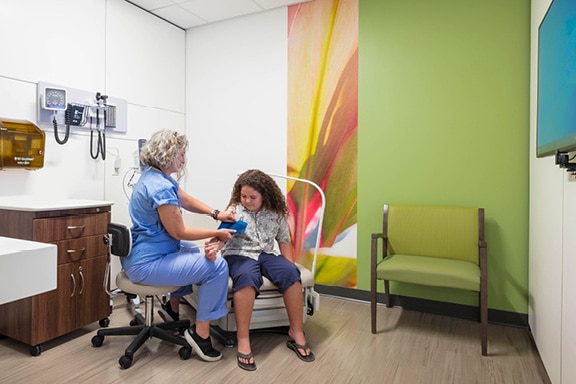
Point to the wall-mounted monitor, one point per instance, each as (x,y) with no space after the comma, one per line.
(556,110)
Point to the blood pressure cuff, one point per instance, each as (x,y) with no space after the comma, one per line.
(239,226)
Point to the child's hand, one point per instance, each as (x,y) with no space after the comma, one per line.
(211,248)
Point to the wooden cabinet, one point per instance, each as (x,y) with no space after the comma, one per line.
(78,229)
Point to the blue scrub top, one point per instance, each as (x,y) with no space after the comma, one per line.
(150,240)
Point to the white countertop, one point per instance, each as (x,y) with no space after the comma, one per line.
(27,268)
(27,203)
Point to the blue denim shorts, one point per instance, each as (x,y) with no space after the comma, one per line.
(247,272)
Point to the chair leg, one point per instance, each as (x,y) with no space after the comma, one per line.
(373,278)
(167,336)
(226,338)
(138,341)
(373,310)
(387,293)
(120,331)
(484,322)
(179,325)
(373,296)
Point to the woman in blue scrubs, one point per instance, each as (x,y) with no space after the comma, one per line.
(157,257)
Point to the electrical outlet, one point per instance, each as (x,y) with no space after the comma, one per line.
(571,176)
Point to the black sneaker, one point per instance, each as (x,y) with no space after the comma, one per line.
(202,347)
(167,314)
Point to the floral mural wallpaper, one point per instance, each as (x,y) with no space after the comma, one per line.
(322,135)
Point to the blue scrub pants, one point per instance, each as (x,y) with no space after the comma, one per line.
(187,267)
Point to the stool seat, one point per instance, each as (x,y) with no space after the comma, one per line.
(124,283)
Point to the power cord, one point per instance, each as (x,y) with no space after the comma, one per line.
(56,134)
(131,172)
(117,160)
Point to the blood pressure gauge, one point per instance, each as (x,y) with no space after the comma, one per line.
(55,99)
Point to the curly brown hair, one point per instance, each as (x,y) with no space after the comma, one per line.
(272,197)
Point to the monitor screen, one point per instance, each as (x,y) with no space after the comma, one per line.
(556,118)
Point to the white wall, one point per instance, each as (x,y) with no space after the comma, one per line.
(552,287)
(94,45)
(145,65)
(236,101)
(37,40)
(103,45)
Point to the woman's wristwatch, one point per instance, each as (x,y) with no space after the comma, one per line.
(215,213)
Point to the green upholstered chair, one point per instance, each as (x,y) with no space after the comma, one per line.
(434,246)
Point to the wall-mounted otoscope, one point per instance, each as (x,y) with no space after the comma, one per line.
(101,105)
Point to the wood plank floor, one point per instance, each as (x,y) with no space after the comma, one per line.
(410,347)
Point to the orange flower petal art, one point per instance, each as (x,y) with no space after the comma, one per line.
(323,133)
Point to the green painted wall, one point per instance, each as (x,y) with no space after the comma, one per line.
(444,120)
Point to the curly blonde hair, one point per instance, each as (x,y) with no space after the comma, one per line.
(272,197)
(162,150)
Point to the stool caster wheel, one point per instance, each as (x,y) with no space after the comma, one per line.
(185,353)
(97,341)
(125,362)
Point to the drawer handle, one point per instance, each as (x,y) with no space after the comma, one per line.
(79,228)
(72,251)
(81,280)
(73,285)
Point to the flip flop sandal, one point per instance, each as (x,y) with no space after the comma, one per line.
(246,366)
(295,347)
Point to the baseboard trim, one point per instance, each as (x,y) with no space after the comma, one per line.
(495,316)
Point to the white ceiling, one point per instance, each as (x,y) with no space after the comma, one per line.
(192,13)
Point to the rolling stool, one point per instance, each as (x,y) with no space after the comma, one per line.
(143,326)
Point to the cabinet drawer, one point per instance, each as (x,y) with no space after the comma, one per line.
(80,249)
(70,227)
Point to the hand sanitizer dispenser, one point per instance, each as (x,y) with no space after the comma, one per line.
(21,144)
